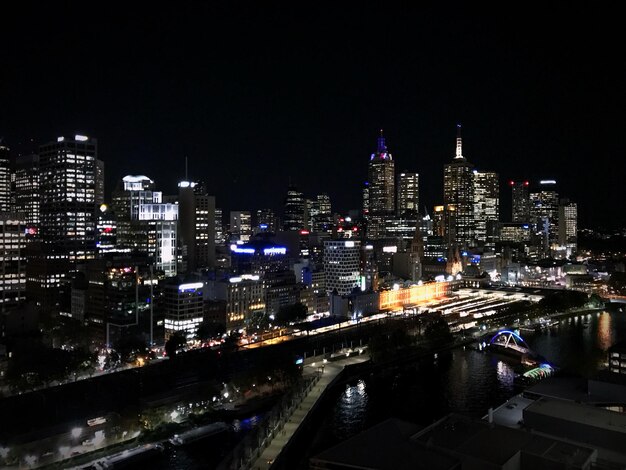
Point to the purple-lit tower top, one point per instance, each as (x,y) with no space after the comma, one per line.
(381,150)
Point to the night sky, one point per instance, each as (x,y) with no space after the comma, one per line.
(256,95)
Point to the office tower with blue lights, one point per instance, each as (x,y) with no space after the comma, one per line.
(266,221)
(458,191)
(380,189)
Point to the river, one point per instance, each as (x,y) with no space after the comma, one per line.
(461,380)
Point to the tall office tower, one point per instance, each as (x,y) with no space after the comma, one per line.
(520,201)
(219,227)
(342,265)
(408,194)
(241,225)
(458,190)
(486,206)
(99,182)
(568,224)
(106,231)
(68,196)
(184,307)
(196,210)
(5,179)
(294,210)
(366,199)
(27,198)
(382,184)
(444,223)
(544,210)
(145,223)
(266,221)
(12,261)
(321,214)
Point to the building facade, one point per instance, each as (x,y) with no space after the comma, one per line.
(342,265)
(381,189)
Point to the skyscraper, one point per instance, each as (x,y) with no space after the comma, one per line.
(5,179)
(241,225)
(544,211)
(408,194)
(68,196)
(381,192)
(12,261)
(458,191)
(520,201)
(321,214)
(27,197)
(294,210)
(568,224)
(266,221)
(486,206)
(196,212)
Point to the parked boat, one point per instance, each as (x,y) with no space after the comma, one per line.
(130,457)
(196,434)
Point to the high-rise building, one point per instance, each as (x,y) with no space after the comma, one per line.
(184,307)
(68,196)
(219,227)
(196,210)
(99,182)
(266,221)
(486,206)
(145,223)
(342,265)
(106,236)
(5,179)
(294,210)
(444,223)
(520,201)
(12,261)
(321,217)
(241,225)
(458,191)
(381,189)
(408,194)
(27,197)
(544,210)
(568,224)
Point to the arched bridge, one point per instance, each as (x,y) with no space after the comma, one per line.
(510,340)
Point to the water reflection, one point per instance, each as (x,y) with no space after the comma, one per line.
(604,338)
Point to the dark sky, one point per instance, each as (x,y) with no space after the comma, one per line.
(255,95)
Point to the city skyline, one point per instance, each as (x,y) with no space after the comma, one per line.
(546,106)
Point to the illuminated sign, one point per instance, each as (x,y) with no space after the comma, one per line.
(304,232)
(247,251)
(547,182)
(390,249)
(275,250)
(262,226)
(60,139)
(81,138)
(349,244)
(247,277)
(369,247)
(190,286)
(96,421)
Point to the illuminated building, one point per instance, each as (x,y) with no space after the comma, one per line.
(145,223)
(342,265)
(219,227)
(5,179)
(68,175)
(244,296)
(444,223)
(381,192)
(241,225)
(266,221)
(520,201)
(294,211)
(99,195)
(106,231)
(515,232)
(258,257)
(568,224)
(408,194)
(321,217)
(458,191)
(196,211)
(486,206)
(281,290)
(401,297)
(27,197)
(183,305)
(13,260)
(544,211)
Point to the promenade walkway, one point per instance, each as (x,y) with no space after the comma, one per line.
(331,370)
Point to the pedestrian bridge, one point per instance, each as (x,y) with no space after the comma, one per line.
(510,340)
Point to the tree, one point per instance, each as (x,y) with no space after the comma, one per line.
(291,313)
(175,343)
(208,329)
(129,347)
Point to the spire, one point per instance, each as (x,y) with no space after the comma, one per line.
(459,143)
(382,147)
